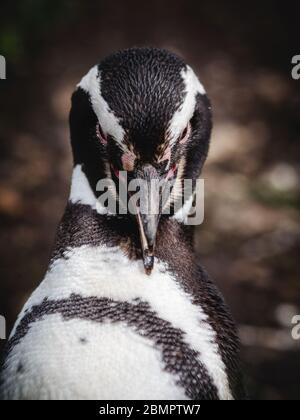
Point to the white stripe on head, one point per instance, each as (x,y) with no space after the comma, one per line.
(110,124)
(180,120)
(182,215)
(82,193)
(184,114)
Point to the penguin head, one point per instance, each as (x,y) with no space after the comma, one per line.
(142,112)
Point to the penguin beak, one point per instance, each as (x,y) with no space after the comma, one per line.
(148,227)
(148,214)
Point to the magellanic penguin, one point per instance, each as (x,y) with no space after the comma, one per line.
(125,311)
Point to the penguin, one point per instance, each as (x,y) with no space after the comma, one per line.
(125,310)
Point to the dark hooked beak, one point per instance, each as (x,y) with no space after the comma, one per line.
(148,213)
(148,227)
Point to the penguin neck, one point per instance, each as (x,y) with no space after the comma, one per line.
(86,222)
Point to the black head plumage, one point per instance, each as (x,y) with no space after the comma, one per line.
(141,110)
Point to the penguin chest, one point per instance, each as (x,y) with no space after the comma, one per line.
(99,328)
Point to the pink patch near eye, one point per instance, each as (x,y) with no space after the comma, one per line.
(128,160)
(101,136)
(172,172)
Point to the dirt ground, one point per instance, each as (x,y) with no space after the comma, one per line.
(250,240)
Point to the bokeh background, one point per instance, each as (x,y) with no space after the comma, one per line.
(250,240)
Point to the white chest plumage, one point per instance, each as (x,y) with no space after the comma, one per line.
(81,358)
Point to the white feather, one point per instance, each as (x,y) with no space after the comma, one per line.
(110,124)
(114,363)
(106,272)
(82,193)
(184,114)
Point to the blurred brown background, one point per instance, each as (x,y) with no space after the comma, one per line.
(250,240)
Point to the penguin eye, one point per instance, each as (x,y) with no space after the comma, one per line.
(185,134)
(100,134)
